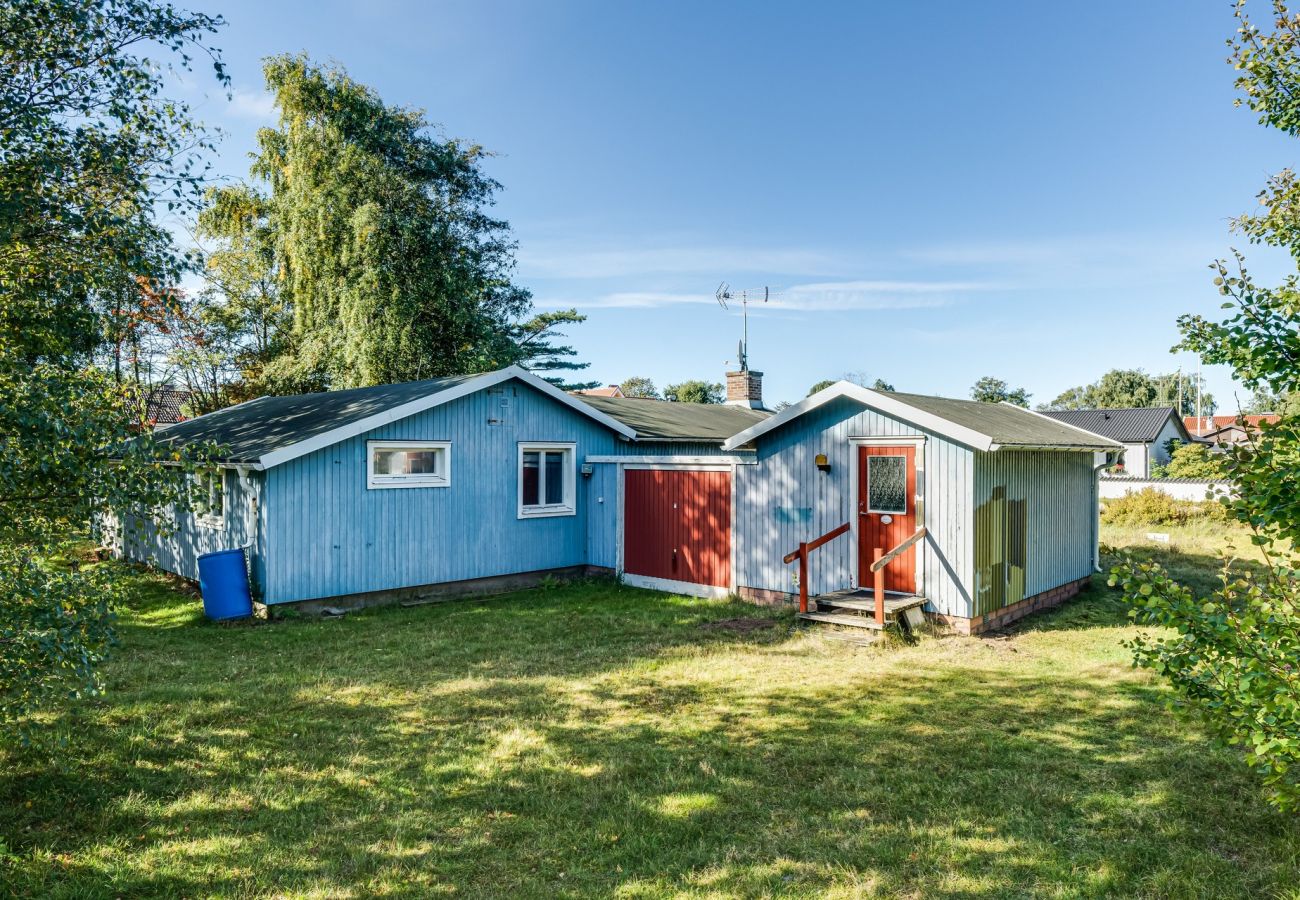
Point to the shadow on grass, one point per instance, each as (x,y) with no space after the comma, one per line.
(595,740)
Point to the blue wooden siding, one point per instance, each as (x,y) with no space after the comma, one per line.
(329,535)
(1033,515)
(177,545)
(785,499)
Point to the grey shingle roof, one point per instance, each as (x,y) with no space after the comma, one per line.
(666,420)
(163,405)
(1008,426)
(1141,425)
(251,430)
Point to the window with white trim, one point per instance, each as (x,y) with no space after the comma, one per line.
(210,497)
(408,464)
(546,480)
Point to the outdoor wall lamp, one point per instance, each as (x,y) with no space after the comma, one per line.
(822,462)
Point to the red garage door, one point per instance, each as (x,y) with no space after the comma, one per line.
(677,526)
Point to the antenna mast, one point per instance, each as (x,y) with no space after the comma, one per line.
(724,294)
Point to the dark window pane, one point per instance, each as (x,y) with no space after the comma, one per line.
(554,478)
(532,468)
(887,484)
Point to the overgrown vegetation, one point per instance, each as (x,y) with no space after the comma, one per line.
(90,149)
(594,740)
(1231,657)
(1192,460)
(1154,507)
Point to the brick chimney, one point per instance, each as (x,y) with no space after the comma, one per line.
(745,388)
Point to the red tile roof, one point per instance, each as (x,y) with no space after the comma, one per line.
(1209,424)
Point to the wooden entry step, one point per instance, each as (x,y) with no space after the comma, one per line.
(841,619)
(856,608)
(864,601)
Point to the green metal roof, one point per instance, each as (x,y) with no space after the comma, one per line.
(1008,426)
(669,421)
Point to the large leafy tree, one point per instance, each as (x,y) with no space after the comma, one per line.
(639,387)
(1133,388)
(994,390)
(90,148)
(1231,657)
(378,238)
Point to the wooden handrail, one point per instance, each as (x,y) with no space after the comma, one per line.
(887,558)
(813,545)
(806,547)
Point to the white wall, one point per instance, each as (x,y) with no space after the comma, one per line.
(1179,489)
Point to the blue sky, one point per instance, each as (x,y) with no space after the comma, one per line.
(935,192)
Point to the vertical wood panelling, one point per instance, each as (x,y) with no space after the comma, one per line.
(178,546)
(785,499)
(330,535)
(1033,515)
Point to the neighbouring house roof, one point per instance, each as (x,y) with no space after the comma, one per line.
(1141,425)
(1205,425)
(667,420)
(162,405)
(612,390)
(269,431)
(984,426)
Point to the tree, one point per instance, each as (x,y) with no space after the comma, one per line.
(535,348)
(694,391)
(1230,656)
(994,390)
(859,378)
(382,243)
(1194,460)
(636,386)
(89,148)
(1134,388)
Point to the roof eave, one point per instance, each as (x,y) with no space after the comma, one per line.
(464,389)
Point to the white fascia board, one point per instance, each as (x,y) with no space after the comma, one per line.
(741,460)
(464,389)
(1098,441)
(877,400)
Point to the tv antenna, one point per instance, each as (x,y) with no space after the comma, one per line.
(725,295)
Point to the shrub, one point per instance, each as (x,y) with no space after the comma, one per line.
(1154,507)
(1195,461)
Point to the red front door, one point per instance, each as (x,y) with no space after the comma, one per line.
(677,525)
(887,513)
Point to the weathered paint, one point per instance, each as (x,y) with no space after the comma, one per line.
(328,535)
(785,499)
(182,538)
(1033,515)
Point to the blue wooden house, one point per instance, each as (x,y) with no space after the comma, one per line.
(979,513)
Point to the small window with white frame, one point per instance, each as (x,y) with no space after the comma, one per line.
(210,497)
(546,480)
(408,464)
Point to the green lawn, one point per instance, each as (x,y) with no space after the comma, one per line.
(594,740)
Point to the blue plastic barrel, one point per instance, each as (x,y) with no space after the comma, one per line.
(223,580)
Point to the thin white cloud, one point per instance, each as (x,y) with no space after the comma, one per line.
(563,260)
(252,104)
(823,296)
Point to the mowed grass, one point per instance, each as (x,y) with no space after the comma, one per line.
(596,740)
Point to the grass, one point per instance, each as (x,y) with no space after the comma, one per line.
(596,740)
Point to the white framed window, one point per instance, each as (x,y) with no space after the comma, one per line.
(210,497)
(546,480)
(408,464)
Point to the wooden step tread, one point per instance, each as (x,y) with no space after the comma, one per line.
(892,604)
(841,619)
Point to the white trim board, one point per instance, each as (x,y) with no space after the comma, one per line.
(690,589)
(877,400)
(464,389)
(746,460)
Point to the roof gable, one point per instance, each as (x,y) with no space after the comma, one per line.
(269,431)
(1139,425)
(982,426)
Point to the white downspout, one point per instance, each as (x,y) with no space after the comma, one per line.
(1101,459)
